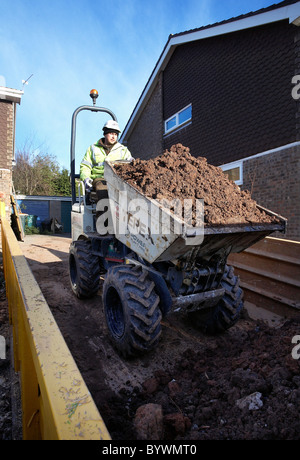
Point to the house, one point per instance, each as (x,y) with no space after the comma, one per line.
(229,92)
(41,208)
(9,98)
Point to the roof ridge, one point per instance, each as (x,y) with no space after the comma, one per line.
(237,18)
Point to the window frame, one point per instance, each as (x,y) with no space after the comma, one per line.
(234,165)
(177,124)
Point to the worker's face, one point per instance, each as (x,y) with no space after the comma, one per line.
(111,138)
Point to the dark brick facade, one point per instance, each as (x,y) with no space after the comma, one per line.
(239,85)
(297,72)
(148,133)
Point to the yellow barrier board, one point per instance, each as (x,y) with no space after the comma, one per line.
(56,403)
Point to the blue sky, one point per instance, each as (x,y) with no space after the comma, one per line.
(73,46)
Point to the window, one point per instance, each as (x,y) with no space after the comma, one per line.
(170,124)
(179,119)
(234,171)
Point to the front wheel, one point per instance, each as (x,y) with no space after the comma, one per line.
(84,269)
(132,312)
(228,310)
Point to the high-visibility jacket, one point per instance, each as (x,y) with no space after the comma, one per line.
(92,164)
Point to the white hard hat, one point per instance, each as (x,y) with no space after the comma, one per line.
(112,125)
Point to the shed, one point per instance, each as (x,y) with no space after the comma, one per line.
(47,207)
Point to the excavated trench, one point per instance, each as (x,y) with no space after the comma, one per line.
(242,384)
(191,387)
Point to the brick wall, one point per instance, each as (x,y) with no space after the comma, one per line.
(6,150)
(239,85)
(146,140)
(273,181)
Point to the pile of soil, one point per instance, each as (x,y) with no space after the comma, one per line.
(176,174)
(245,385)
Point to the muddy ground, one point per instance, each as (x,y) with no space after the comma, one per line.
(192,387)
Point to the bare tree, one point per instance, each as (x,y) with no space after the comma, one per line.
(35,171)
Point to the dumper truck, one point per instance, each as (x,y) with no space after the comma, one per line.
(150,262)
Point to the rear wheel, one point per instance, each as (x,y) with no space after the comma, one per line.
(228,310)
(84,269)
(132,311)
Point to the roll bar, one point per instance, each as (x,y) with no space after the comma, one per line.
(73,136)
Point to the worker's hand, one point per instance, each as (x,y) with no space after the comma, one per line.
(88,183)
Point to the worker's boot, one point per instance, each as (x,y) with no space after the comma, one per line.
(100,187)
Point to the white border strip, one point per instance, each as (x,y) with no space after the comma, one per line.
(43,198)
(240,163)
(267,152)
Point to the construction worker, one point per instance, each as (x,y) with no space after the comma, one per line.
(105,149)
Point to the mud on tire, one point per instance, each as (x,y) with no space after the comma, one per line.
(84,269)
(228,310)
(132,311)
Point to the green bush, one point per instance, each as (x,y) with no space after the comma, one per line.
(32,230)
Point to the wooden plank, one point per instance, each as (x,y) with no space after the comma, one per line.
(18,228)
(279,246)
(270,275)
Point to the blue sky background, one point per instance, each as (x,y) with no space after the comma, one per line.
(73,46)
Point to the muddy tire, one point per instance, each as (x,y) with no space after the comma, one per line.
(132,312)
(84,269)
(228,310)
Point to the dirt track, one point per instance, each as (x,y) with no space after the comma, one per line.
(192,387)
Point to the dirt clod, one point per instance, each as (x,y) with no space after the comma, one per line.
(148,422)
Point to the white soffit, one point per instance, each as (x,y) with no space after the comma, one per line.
(10,94)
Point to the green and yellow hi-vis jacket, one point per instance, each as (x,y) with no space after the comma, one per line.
(92,164)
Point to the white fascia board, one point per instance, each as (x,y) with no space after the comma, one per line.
(291,12)
(43,198)
(261,154)
(10,94)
